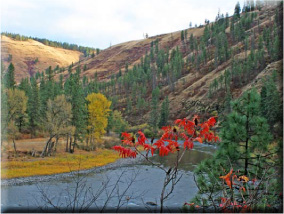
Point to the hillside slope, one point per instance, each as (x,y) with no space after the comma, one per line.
(111,59)
(31,56)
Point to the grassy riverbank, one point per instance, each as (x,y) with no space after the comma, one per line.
(58,164)
(25,165)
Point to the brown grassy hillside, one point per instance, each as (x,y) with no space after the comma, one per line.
(111,59)
(31,56)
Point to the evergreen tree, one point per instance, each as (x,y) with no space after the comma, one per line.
(271,102)
(276,48)
(10,77)
(182,35)
(75,95)
(33,107)
(119,124)
(129,106)
(237,10)
(245,148)
(164,115)
(154,114)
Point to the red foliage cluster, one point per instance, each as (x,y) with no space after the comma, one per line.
(189,130)
(125,152)
(231,177)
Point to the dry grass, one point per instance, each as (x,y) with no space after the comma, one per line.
(25,165)
(63,162)
(24,54)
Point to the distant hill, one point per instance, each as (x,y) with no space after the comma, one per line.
(31,56)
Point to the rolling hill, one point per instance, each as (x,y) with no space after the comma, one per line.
(31,56)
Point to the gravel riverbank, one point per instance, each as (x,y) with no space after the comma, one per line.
(34,179)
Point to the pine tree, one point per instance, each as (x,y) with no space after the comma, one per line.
(164,115)
(244,147)
(276,48)
(75,95)
(129,106)
(182,35)
(33,108)
(271,102)
(237,10)
(10,77)
(4,112)
(119,124)
(154,115)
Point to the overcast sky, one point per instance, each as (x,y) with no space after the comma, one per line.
(99,23)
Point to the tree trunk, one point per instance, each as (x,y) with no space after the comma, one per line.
(46,146)
(50,148)
(55,146)
(70,143)
(87,142)
(247,129)
(74,143)
(15,149)
(67,142)
(162,194)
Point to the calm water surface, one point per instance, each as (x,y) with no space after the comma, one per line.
(135,187)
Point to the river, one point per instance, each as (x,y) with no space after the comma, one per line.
(128,187)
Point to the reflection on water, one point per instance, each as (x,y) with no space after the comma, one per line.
(146,187)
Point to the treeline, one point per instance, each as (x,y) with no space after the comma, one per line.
(57,109)
(88,51)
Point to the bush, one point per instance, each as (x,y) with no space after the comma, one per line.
(149,133)
(141,127)
(109,142)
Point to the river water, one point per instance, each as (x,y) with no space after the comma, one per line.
(129,188)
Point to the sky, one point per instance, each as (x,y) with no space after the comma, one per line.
(101,23)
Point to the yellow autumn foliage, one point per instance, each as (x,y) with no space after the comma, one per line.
(98,109)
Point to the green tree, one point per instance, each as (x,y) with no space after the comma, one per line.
(245,147)
(119,123)
(271,102)
(237,10)
(182,35)
(10,77)
(164,115)
(154,114)
(75,95)
(33,108)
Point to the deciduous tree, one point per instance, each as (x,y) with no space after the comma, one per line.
(58,121)
(98,111)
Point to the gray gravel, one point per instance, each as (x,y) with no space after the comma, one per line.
(35,179)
